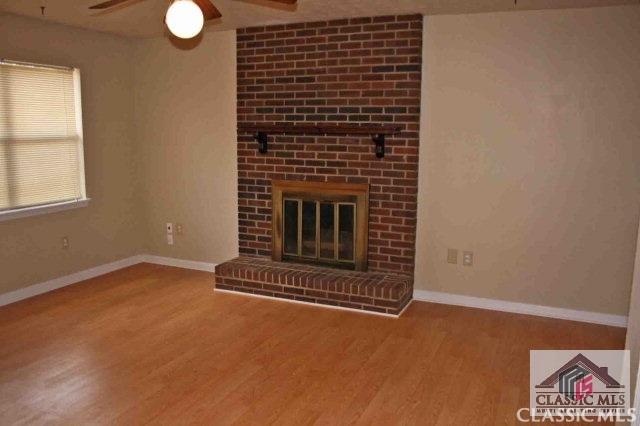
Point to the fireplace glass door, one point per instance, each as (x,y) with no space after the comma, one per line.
(319,231)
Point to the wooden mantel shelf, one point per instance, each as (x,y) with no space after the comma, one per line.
(321,129)
(378,132)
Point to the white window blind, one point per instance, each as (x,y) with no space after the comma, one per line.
(41,157)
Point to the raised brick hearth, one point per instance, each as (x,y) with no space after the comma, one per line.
(372,291)
(364,71)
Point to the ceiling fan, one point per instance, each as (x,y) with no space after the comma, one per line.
(184,18)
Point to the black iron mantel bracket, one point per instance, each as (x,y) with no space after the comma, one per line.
(263,142)
(379,141)
(378,133)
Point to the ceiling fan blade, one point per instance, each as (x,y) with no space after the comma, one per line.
(285,1)
(208,9)
(107,4)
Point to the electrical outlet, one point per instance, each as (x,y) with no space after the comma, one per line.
(169,228)
(452,256)
(65,243)
(178,228)
(467,258)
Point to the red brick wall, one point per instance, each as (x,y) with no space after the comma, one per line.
(364,70)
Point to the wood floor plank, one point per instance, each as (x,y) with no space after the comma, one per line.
(153,344)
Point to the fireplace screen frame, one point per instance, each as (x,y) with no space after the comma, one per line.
(322,192)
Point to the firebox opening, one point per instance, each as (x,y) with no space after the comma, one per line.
(321,223)
(320,231)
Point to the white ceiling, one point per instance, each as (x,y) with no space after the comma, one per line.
(144,18)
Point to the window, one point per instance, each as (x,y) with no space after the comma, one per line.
(41,156)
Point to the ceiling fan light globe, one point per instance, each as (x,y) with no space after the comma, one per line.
(184,19)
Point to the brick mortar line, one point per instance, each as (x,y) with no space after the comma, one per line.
(288,268)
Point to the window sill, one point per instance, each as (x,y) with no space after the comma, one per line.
(40,210)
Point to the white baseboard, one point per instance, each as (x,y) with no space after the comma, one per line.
(180,263)
(60,282)
(315,305)
(421,295)
(56,283)
(520,308)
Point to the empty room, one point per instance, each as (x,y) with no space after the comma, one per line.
(417,212)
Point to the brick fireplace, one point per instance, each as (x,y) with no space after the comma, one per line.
(363,72)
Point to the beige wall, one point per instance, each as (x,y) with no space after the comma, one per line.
(530,156)
(185,109)
(159,127)
(106,230)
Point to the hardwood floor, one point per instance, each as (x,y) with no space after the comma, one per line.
(154,344)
